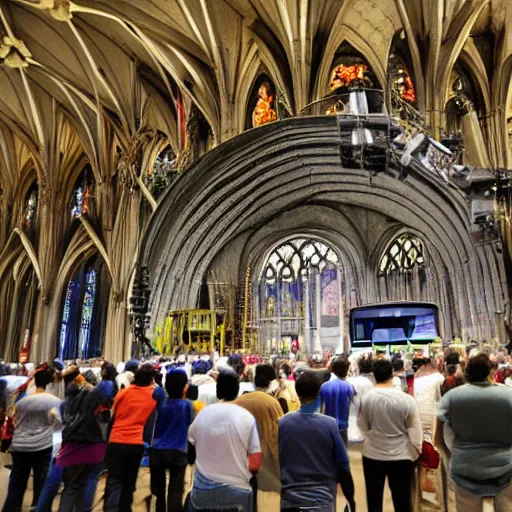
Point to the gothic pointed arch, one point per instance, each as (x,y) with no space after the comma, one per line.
(349,69)
(30,208)
(262,105)
(465,116)
(19,288)
(83,312)
(401,83)
(81,200)
(408,268)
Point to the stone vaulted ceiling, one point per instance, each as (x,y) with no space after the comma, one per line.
(93,62)
(97,81)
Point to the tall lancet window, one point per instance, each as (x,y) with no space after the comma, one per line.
(78,337)
(263,104)
(81,200)
(30,208)
(87,311)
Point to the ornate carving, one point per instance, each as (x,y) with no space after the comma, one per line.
(139,302)
(58,9)
(13,52)
(130,158)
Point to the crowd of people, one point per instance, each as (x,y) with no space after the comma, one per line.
(251,425)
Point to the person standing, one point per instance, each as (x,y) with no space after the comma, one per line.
(337,394)
(267,412)
(427,392)
(362,383)
(36,418)
(480,415)
(312,455)
(392,423)
(169,445)
(227,444)
(83,446)
(265,380)
(132,408)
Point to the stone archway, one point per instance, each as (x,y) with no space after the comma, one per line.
(236,190)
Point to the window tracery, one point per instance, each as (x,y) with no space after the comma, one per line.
(78,315)
(64,325)
(402,255)
(292,260)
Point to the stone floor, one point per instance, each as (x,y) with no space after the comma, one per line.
(267,501)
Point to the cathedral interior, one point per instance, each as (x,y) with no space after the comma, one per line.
(240,174)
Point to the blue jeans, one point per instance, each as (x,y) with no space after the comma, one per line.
(52,485)
(50,489)
(207,494)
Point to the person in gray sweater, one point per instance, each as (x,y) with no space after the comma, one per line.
(36,418)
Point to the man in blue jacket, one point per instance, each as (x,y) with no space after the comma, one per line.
(169,445)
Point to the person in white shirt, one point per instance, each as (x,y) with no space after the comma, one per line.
(126,376)
(427,392)
(362,384)
(227,445)
(391,420)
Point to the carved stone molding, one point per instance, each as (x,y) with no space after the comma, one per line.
(13,52)
(58,9)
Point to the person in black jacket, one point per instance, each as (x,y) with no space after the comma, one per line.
(84,442)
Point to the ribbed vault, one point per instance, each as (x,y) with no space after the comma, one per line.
(250,180)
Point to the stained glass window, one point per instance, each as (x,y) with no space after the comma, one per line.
(264,110)
(64,326)
(77,316)
(163,173)
(344,75)
(403,84)
(347,74)
(29,212)
(87,310)
(293,259)
(402,255)
(82,194)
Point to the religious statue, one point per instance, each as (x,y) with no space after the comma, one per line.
(270,307)
(263,111)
